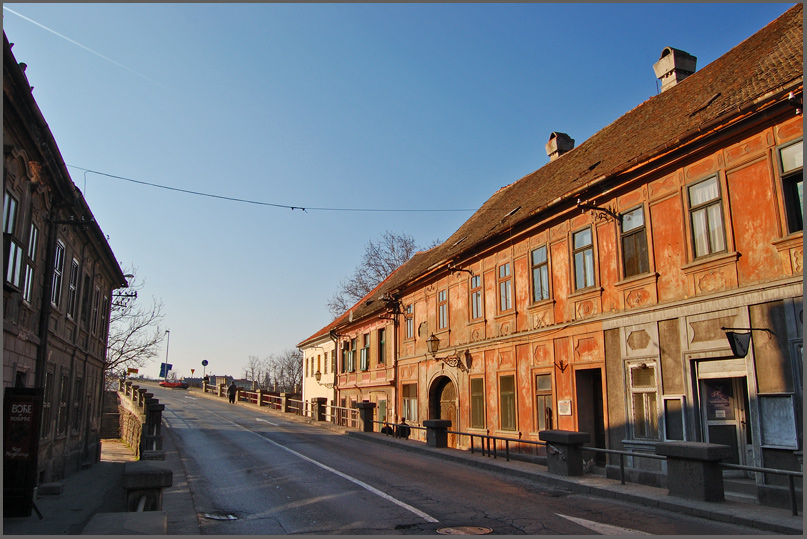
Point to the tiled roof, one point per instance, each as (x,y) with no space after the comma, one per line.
(766,64)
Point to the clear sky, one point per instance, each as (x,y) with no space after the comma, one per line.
(333,108)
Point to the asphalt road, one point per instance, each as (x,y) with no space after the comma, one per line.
(255,473)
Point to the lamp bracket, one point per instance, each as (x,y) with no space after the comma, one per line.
(454,269)
(599,212)
(749,329)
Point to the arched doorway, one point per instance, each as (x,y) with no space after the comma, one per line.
(443,404)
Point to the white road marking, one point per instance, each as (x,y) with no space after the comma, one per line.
(603,529)
(191,398)
(362,484)
(265,421)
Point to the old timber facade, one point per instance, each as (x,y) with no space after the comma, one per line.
(596,293)
(59,276)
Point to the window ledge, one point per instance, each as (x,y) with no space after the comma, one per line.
(592,291)
(644,278)
(719,259)
(643,446)
(543,303)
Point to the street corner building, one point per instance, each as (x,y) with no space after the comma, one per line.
(59,277)
(644,286)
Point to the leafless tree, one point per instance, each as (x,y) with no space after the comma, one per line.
(284,371)
(254,370)
(380,258)
(134,328)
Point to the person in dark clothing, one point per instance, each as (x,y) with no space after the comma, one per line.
(386,429)
(231,392)
(403,429)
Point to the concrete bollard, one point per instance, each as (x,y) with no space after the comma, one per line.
(319,407)
(564,455)
(365,415)
(145,480)
(437,432)
(693,469)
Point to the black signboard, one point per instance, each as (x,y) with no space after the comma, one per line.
(22,410)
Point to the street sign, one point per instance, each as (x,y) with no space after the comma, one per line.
(164,368)
(204,363)
(132,371)
(192,371)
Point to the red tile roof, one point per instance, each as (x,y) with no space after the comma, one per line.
(765,66)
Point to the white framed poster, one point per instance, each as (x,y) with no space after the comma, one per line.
(565,407)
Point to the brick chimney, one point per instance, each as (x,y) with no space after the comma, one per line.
(674,66)
(559,144)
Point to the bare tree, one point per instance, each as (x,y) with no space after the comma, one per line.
(285,370)
(380,259)
(254,370)
(134,328)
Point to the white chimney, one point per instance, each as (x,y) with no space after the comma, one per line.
(674,66)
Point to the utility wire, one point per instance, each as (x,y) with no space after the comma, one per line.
(257,202)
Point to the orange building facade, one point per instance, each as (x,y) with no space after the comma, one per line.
(597,294)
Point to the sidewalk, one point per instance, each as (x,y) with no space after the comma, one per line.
(98,490)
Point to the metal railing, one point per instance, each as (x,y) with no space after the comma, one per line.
(790,474)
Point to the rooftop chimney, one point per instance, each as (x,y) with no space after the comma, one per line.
(559,144)
(674,66)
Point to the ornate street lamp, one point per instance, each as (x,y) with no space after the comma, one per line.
(433,345)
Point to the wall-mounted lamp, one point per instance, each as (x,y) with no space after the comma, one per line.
(317,376)
(741,342)
(433,345)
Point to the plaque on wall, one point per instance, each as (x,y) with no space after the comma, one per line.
(565,407)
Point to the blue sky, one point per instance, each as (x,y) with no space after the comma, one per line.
(426,108)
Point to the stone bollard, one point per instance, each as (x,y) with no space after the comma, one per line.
(145,479)
(693,469)
(284,402)
(564,455)
(320,408)
(261,393)
(437,432)
(365,415)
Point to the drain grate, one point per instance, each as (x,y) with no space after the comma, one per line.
(464,530)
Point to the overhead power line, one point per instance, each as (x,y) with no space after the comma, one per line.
(258,202)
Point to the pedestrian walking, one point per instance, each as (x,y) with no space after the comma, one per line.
(232,391)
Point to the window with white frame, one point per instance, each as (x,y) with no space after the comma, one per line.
(58,269)
(442,309)
(14,271)
(33,244)
(96,299)
(364,356)
(409,409)
(540,274)
(635,260)
(104,318)
(583,259)
(544,403)
(644,410)
(409,316)
(325,363)
(9,213)
(505,282)
(72,289)
(791,159)
(351,356)
(706,213)
(382,346)
(476,297)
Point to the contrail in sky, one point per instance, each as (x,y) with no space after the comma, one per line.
(83,47)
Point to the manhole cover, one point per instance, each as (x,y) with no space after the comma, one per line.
(464,530)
